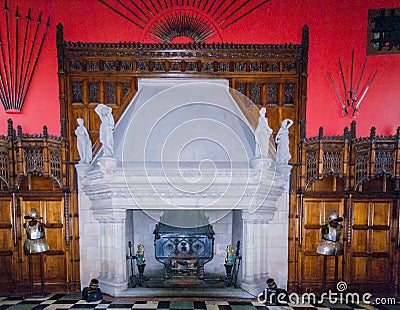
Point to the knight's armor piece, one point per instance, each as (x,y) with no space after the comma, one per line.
(35,242)
(330,243)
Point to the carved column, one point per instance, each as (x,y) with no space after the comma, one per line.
(254,250)
(112,277)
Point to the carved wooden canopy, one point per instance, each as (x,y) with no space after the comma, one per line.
(271,75)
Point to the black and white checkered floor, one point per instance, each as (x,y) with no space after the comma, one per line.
(74,301)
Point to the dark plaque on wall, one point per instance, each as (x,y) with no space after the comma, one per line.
(383,35)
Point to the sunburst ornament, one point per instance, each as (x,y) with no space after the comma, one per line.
(182,24)
(200,20)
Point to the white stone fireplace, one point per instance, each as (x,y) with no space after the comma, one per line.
(183,145)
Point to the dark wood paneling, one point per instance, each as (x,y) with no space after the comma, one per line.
(359,178)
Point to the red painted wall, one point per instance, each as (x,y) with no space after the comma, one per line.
(336,27)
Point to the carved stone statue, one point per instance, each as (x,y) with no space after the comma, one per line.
(282,140)
(83,143)
(106,129)
(262,135)
(35,242)
(330,243)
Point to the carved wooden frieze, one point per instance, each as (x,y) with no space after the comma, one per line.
(93,92)
(93,65)
(77,92)
(272,94)
(355,160)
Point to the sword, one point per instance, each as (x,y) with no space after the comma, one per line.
(351,75)
(363,95)
(359,81)
(338,95)
(344,83)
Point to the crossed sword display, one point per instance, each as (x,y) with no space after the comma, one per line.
(351,95)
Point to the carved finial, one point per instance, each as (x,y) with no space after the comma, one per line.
(373,133)
(346,133)
(320,133)
(19,131)
(10,127)
(59,34)
(45,133)
(353,130)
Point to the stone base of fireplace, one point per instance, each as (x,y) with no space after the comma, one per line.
(187,293)
(207,283)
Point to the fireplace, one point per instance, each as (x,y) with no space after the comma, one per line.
(184,250)
(199,195)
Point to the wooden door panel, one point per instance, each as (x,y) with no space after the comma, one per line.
(315,213)
(311,240)
(6,232)
(8,261)
(378,270)
(55,267)
(55,225)
(360,240)
(379,241)
(360,214)
(370,244)
(359,270)
(312,212)
(52,212)
(312,268)
(381,214)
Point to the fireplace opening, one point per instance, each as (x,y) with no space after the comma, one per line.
(184,243)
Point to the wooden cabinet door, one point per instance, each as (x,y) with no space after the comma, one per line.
(369,255)
(52,212)
(311,274)
(8,249)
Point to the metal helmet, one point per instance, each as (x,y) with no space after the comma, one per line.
(334,216)
(33,214)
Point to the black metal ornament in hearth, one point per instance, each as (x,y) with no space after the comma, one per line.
(184,251)
(232,265)
(135,280)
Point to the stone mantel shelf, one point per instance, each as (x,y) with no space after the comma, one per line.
(132,188)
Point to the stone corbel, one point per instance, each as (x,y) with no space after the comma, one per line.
(282,177)
(263,214)
(107,165)
(82,171)
(109,215)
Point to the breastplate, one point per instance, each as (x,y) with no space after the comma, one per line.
(33,233)
(333,234)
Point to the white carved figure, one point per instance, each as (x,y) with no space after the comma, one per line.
(262,135)
(83,143)
(282,140)
(106,129)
